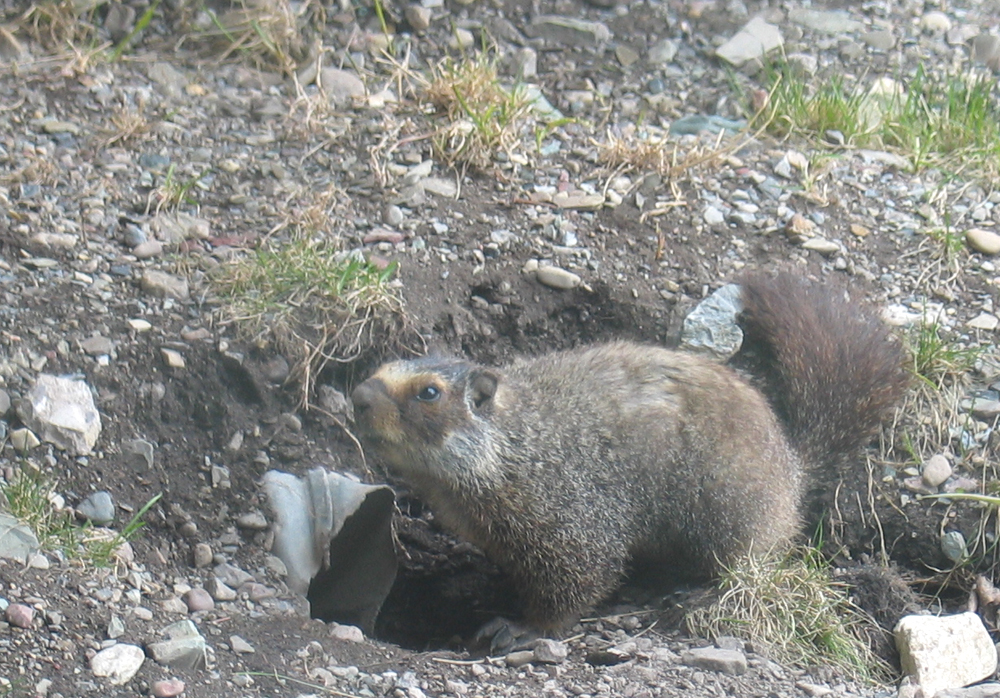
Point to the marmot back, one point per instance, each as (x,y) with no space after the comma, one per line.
(565,467)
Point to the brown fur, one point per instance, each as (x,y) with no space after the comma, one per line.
(565,467)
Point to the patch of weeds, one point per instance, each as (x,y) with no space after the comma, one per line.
(315,303)
(174,192)
(949,121)
(484,117)
(30,498)
(951,242)
(652,152)
(792,609)
(270,34)
(126,124)
(792,107)
(57,24)
(934,358)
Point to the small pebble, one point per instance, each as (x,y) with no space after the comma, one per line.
(168,689)
(936,470)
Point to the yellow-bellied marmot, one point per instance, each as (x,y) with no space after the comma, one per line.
(566,466)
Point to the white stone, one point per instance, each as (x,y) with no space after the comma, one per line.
(821,245)
(984,321)
(164,285)
(985,241)
(945,652)
(62,412)
(557,277)
(341,86)
(936,470)
(753,41)
(118,663)
(935,22)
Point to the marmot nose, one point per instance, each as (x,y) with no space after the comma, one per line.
(363,398)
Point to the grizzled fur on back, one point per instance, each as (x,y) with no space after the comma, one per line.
(565,467)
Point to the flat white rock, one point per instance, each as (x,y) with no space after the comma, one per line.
(118,663)
(945,652)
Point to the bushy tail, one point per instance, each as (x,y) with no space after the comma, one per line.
(831,369)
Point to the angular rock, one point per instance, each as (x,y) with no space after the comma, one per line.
(341,86)
(945,652)
(754,40)
(17,541)
(118,662)
(826,21)
(62,412)
(711,326)
(548,651)
(184,647)
(569,31)
(98,508)
(240,646)
(139,452)
(164,285)
(729,662)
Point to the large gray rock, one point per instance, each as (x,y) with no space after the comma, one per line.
(570,31)
(946,652)
(712,327)
(62,412)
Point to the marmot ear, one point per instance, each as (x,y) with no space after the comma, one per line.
(482,386)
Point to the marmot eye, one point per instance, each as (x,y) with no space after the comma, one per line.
(429,394)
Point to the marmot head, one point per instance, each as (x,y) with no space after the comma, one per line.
(415,413)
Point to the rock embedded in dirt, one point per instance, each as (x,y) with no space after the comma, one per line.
(756,39)
(547,651)
(19,615)
(198,599)
(139,452)
(168,688)
(62,411)
(184,647)
(341,86)
(164,285)
(730,662)
(936,470)
(945,652)
(119,663)
(981,240)
(570,31)
(557,278)
(98,508)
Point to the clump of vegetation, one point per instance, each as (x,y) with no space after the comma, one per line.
(266,33)
(795,612)
(316,303)
(30,498)
(935,358)
(950,121)
(484,118)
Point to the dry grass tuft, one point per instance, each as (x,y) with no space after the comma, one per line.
(795,613)
(316,304)
(269,34)
(484,118)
